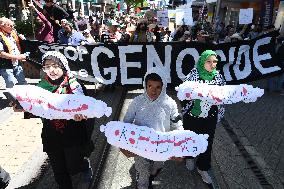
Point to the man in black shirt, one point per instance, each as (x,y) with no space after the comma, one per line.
(54,14)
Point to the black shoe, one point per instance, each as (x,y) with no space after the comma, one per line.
(152,178)
(157,173)
(4,186)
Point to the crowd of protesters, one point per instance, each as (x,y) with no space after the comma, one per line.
(57,25)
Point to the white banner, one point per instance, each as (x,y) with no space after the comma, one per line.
(171,13)
(246,16)
(162,18)
(184,17)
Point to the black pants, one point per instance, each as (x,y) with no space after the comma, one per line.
(66,162)
(202,126)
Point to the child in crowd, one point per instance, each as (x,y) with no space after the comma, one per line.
(155,109)
(66,142)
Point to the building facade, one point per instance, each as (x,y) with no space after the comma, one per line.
(264,11)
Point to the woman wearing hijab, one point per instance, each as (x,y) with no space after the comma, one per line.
(193,119)
(67,143)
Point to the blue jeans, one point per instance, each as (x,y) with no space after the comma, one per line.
(13,76)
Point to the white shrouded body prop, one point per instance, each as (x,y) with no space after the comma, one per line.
(154,145)
(45,104)
(217,95)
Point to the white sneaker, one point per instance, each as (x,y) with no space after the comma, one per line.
(190,164)
(205,176)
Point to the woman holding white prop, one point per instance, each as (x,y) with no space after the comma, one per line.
(195,111)
(46,104)
(67,142)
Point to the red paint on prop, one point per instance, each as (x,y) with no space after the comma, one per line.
(19,98)
(116,132)
(187,95)
(182,141)
(50,106)
(162,141)
(143,138)
(172,141)
(132,141)
(245,91)
(216,99)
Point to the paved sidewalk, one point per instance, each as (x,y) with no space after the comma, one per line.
(259,127)
(20,142)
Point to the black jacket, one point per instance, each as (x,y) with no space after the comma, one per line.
(73,134)
(5,63)
(57,12)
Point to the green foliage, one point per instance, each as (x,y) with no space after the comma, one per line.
(135,3)
(2,13)
(145,3)
(24,27)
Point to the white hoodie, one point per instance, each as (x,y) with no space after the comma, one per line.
(160,114)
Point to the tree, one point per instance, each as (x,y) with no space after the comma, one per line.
(134,3)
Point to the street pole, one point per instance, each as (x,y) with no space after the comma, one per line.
(73,5)
(32,17)
(218,8)
(82,7)
(7,9)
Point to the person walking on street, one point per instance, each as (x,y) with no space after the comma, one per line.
(193,113)
(10,54)
(156,110)
(67,143)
